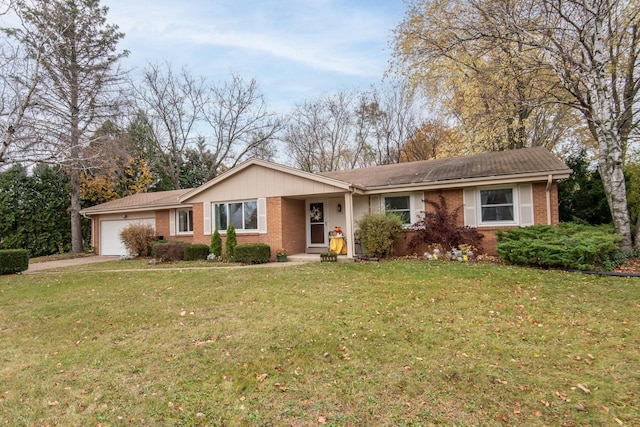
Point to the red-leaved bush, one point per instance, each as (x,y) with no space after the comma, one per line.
(440,227)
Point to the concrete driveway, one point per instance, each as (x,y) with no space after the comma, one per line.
(52,265)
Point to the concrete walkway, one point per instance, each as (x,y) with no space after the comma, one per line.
(53,265)
(296,259)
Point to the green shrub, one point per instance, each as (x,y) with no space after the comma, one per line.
(231,243)
(569,245)
(137,238)
(170,251)
(252,253)
(196,252)
(378,233)
(216,243)
(13,260)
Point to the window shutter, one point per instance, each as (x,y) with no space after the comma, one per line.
(417,206)
(262,215)
(525,204)
(469,201)
(375,204)
(206,208)
(172,222)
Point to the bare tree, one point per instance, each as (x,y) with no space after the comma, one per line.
(320,133)
(351,129)
(19,78)
(77,90)
(240,123)
(173,104)
(228,122)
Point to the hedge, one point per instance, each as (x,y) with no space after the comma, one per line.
(196,252)
(568,245)
(252,253)
(170,251)
(13,260)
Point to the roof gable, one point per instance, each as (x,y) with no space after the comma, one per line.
(259,178)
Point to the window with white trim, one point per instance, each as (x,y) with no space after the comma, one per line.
(399,205)
(242,215)
(184,220)
(497,205)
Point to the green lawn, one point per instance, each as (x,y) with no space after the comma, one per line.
(390,343)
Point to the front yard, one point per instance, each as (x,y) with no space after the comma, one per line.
(390,343)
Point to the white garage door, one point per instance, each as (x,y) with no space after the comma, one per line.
(110,243)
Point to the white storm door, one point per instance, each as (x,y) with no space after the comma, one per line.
(316,224)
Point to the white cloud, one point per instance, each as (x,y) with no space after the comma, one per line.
(319,40)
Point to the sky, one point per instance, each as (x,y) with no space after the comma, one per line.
(295,49)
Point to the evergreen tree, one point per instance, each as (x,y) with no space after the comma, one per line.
(230,244)
(34,209)
(216,243)
(582,195)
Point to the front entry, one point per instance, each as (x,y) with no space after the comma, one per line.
(317,224)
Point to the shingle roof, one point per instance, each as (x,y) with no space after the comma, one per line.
(494,164)
(161,198)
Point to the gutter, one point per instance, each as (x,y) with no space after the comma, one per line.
(469,182)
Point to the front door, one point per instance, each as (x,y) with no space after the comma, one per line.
(317,224)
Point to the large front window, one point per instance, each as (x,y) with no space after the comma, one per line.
(242,215)
(497,205)
(399,205)
(185,220)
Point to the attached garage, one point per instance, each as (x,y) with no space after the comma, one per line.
(110,243)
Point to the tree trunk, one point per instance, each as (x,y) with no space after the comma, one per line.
(76,220)
(602,118)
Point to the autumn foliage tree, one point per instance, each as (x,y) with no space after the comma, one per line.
(432,140)
(584,55)
(123,173)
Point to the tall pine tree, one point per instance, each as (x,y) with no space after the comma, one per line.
(80,82)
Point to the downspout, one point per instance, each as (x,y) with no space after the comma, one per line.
(548,195)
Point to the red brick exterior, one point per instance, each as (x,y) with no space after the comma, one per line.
(454,200)
(285,227)
(286,222)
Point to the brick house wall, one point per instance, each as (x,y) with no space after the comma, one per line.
(285,227)
(454,199)
(163,227)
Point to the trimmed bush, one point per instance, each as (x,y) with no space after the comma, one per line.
(137,239)
(230,243)
(216,243)
(170,251)
(569,245)
(196,252)
(13,260)
(378,233)
(252,253)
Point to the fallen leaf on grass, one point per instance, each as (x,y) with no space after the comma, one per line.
(261,377)
(583,388)
(53,403)
(322,420)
